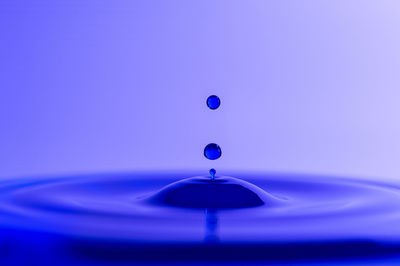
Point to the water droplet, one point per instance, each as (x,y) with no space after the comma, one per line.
(213,102)
(212,151)
(212,173)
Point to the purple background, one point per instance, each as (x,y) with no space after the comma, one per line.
(306,86)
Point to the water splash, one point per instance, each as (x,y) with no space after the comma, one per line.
(212,173)
(111,214)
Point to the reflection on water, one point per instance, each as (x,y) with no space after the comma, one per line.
(211,226)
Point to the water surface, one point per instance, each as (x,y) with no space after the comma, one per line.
(110,218)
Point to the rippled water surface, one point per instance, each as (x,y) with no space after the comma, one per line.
(113,219)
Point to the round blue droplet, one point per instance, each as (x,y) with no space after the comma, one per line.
(212,151)
(212,173)
(213,102)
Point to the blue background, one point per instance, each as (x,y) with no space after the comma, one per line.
(306,86)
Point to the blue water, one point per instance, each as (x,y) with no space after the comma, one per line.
(114,219)
(212,151)
(212,173)
(213,102)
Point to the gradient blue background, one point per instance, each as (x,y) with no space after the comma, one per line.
(306,86)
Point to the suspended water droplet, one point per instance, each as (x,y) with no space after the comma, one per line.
(213,102)
(212,173)
(212,151)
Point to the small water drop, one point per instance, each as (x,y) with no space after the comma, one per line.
(212,173)
(212,151)
(213,102)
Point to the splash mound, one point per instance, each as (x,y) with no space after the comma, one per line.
(221,193)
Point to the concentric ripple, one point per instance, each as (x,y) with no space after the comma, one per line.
(116,207)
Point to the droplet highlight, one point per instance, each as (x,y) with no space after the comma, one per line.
(212,151)
(213,102)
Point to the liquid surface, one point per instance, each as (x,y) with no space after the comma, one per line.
(212,151)
(316,217)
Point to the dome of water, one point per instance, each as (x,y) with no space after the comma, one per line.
(221,193)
